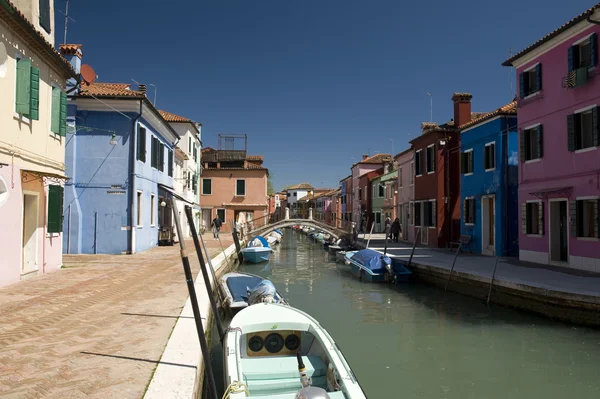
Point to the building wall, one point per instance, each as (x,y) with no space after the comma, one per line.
(31,10)
(185,132)
(377,204)
(359,170)
(559,167)
(405,194)
(501,182)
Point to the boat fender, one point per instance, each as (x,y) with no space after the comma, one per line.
(312,393)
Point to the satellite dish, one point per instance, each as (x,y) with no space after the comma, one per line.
(88,75)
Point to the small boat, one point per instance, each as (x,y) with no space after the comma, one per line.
(243,289)
(374,267)
(257,254)
(258,241)
(280,352)
(340,256)
(278,232)
(271,240)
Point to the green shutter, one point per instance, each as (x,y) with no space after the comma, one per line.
(170,164)
(141,144)
(23,103)
(55,209)
(55,111)
(540,141)
(34,98)
(538,77)
(571,131)
(63,115)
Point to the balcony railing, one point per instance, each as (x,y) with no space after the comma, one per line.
(224,156)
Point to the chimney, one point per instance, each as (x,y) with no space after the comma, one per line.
(365,156)
(462,108)
(73,54)
(142,88)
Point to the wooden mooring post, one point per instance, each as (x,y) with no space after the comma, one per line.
(236,241)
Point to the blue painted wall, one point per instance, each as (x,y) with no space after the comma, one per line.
(343,190)
(97,198)
(503,182)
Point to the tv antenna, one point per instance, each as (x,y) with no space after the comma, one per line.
(512,95)
(67,18)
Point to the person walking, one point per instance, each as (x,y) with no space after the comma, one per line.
(388,223)
(396,229)
(216,223)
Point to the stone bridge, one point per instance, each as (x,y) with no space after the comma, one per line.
(337,232)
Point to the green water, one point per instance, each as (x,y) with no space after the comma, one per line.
(416,341)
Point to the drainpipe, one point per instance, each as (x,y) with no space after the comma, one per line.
(132,157)
(506,188)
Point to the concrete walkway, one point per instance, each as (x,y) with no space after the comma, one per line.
(96,328)
(509,270)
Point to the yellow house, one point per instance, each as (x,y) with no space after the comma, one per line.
(33,109)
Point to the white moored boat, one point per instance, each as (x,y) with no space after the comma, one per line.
(261,349)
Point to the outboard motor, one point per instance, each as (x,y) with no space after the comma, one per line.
(308,392)
(389,267)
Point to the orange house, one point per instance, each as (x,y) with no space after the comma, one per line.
(233,187)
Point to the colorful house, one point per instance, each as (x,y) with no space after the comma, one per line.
(405,196)
(360,185)
(377,195)
(119,155)
(32,144)
(346,198)
(559,181)
(390,181)
(234,187)
(295,193)
(489,182)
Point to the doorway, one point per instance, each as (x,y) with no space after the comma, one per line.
(488,225)
(559,240)
(405,222)
(206,220)
(30,232)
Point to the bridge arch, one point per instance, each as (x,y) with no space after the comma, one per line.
(337,232)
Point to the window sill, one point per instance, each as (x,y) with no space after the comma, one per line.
(430,173)
(587,149)
(533,160)
(431,227)
(490,170)
(532,95)
(534,235)
(470,224)
(468,174)
(139,227)
(593,239)
(418,175)
(152,225)
(21,118)
(52,235)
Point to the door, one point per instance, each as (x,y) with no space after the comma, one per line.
(424,227)
(404,232)
(559,246)
(378,225)
(564,239)
(206,219)
(488,235)
(30,233)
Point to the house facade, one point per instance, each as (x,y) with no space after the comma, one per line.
(186,177)
(360,185)
(119,155)
(377,199)
(323,207)
(559,187)
(405,196)
(435,210)
(32,143)
(293,194)
(489,182)
(345,199)
(390,180)
(233,189)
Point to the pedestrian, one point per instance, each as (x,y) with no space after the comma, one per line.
(388,223)
(396,229)
(216,223)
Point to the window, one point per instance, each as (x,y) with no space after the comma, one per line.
(429,213)
(189,145)
(583,54)
(381,190)
(161,157)
(295,194)
(154,152)
(430,158)
(359,193)
(532,221)
(152,210)
(55,208)
(28,92)
(489,156)
(240,187)
(373,191)
(45,15)
(583,129)
(221,215)
(170,164)
(141,144)
(417,214)
(532,143)
(400,177)
(530,81)
(466,162)
(411,176)
(469,210)
(206,187)
(139,209)
(418,163)
(586,218)
(195,183)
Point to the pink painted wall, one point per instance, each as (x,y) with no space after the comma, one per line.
(559,167)
(359,170)
(49,249)
(406,192)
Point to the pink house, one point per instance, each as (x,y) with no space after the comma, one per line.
(559,173)
(405,184)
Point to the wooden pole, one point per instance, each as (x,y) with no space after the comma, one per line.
(413,248)
(236,241)
(452,268)
(492,280)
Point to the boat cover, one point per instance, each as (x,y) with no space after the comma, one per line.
(264,291)
(278,232)
(371,260)
(238,286)
(258,241)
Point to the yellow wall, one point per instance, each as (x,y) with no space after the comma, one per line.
(33,144)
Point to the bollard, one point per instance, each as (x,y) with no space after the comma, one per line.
(310,214)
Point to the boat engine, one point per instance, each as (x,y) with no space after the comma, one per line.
(389,267)
(308,392)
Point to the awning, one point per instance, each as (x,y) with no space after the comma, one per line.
(179,197)
(551,192)
(31,175)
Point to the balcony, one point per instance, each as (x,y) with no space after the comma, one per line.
(224,156)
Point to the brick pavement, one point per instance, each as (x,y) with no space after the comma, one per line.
(94,329)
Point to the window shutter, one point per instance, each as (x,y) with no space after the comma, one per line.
(55,117)
(524,217)
(471,162)
(34,99)
(161,157)
(571,131)
(23,86)
(538,77)
(541,218)
(485,157)
(571,58)
(434,213)
(596,218)
(464,211)
(141,155)
(170,164)
(522,145)
(593,51)
(62,127)
(45,15)
(573,217)
(522,85)
(595,126)
(55,207)
(472,210)
(540,141)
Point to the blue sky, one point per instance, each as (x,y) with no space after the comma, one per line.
(313,83)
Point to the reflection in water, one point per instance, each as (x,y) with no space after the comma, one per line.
(412,340)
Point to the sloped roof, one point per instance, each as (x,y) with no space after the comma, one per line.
(255,158)
(587,13)
(110,90)
(301,186)
(170,117)
(510,109)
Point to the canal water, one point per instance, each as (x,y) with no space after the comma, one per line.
(417,341)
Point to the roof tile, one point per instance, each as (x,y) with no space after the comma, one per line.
(510,108)
(169,117)
(110,90)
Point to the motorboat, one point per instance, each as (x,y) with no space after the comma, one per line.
(243,289)
(272,351)
(257,254)
(373,266)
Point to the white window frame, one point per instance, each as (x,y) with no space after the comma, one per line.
(152,210)
(470,198)
(140,208)
(583,198)
(202,188)
(471,173)
(580,111)
(236,188)
(420,161)
(535,93)
(539,202)
(487,145)
(427,158)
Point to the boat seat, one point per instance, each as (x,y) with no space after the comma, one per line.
(292,395)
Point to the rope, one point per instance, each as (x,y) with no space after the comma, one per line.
(236,387)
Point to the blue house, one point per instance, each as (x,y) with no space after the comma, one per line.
(119,156)
(489,182)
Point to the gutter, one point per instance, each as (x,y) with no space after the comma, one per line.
(132,157)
